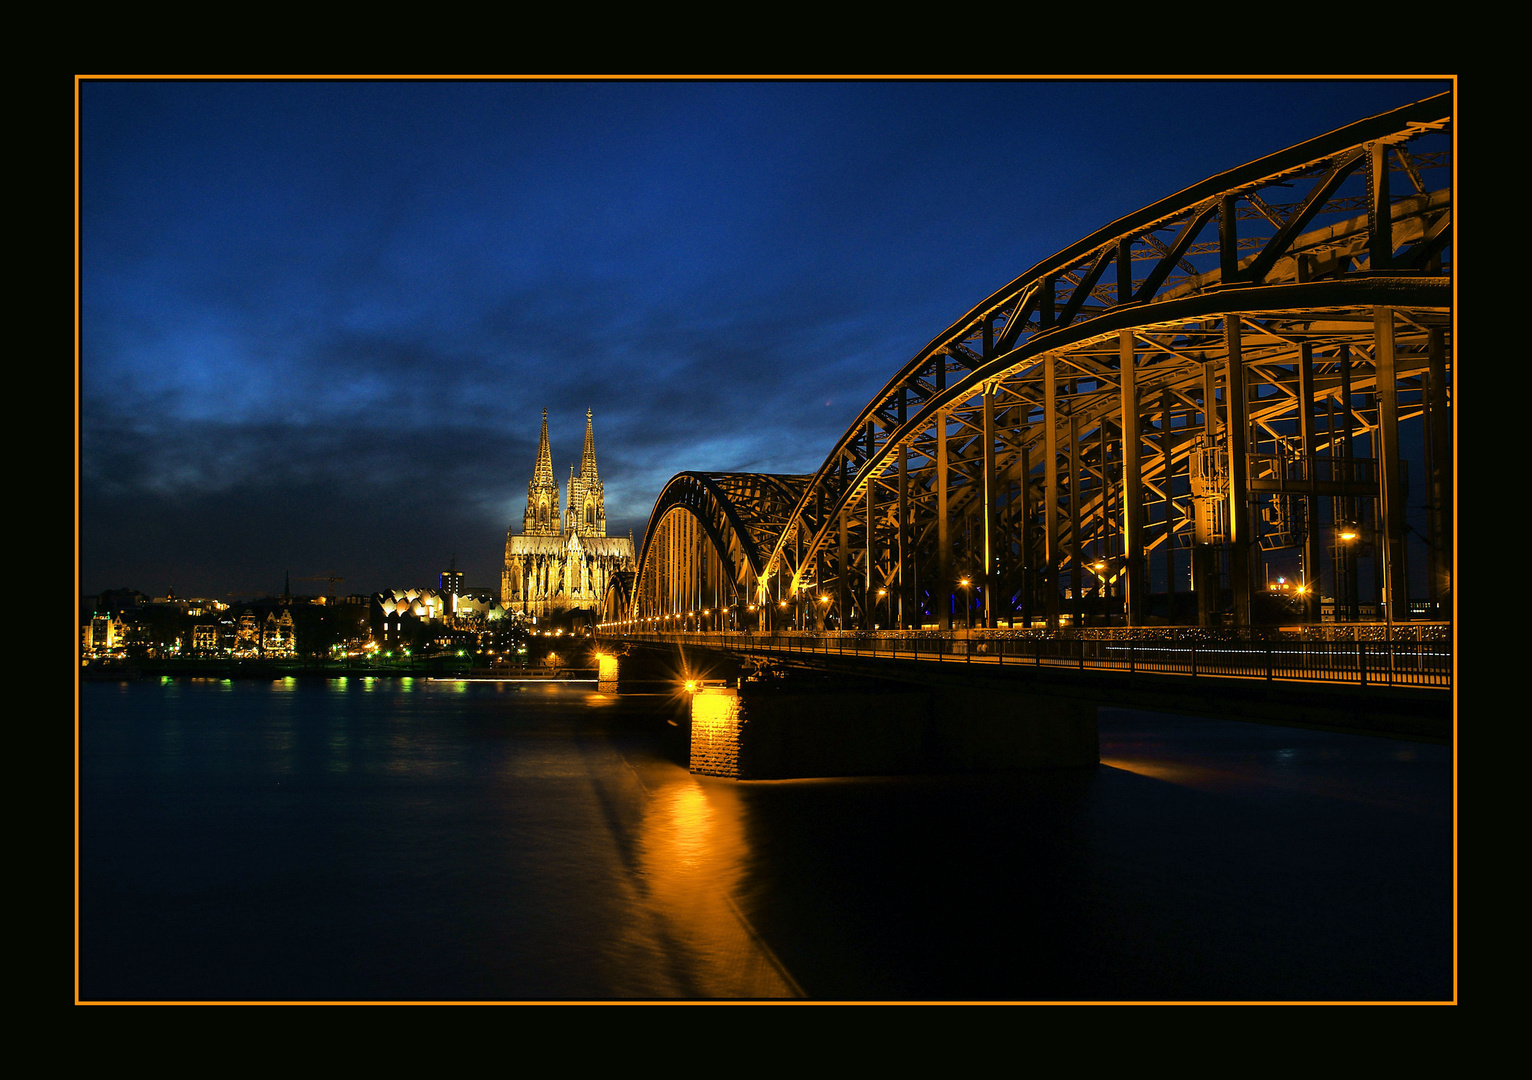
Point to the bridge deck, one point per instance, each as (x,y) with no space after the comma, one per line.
(1400,689)
(1425,665)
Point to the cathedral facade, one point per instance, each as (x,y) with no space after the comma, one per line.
(562,560)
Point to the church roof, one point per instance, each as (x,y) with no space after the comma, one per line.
(607,545)
(536,545)
(558,545)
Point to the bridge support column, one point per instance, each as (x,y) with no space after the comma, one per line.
(1028,555)
(843,571)
(1241,538)
(903,551)
(1076,549)
(1307,439)
(1440,444)
(1167,473)
(942,593)
(1135,595)
(987,516)
(1396,591)
(1051,559)
(1346,592)
(1205,576)
(869,546)
(776,734)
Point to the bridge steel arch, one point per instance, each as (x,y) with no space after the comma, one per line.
(701,558)
(1221,375)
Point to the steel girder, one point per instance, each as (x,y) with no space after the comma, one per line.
(618,600)
(740,515)
(1060,419)
(1296,257)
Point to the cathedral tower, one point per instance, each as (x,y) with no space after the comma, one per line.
(542,516)
(587,499)
(563,562)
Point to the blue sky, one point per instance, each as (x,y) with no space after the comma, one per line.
(320,320)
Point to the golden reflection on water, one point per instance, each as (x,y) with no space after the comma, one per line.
(1193,776)
(692,853)
(1260,774)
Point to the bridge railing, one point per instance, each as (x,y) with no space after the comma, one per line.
(1423,663)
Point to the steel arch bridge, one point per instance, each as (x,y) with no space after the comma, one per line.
(1218,381)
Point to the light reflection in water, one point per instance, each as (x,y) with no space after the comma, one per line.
(692,851)
(1183,773)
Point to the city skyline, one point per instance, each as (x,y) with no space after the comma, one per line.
(320,320)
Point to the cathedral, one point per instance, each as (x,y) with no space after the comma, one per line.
(562,561)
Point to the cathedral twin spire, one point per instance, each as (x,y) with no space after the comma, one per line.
(586,497)
(542,472)
(542,517)
(588,457)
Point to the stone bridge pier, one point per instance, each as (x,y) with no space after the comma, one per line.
(748,724)
(771,732)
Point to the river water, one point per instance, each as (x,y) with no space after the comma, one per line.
(378,839)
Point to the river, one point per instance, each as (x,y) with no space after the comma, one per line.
(386,839)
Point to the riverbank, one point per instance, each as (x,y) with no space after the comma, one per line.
(116,669)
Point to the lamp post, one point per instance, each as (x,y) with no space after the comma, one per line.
(967,603)
(1101,568)
(1346,536)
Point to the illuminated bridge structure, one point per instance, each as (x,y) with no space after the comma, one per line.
(1134,431)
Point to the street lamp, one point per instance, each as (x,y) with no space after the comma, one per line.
(967,604)
(1347,535)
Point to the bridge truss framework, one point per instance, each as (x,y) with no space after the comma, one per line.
(1219,383)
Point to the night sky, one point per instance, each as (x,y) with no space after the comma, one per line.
(320,321)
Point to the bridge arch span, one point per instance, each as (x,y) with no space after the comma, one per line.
(705,546)
(1320,258)
(617,601)
(1191,395)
